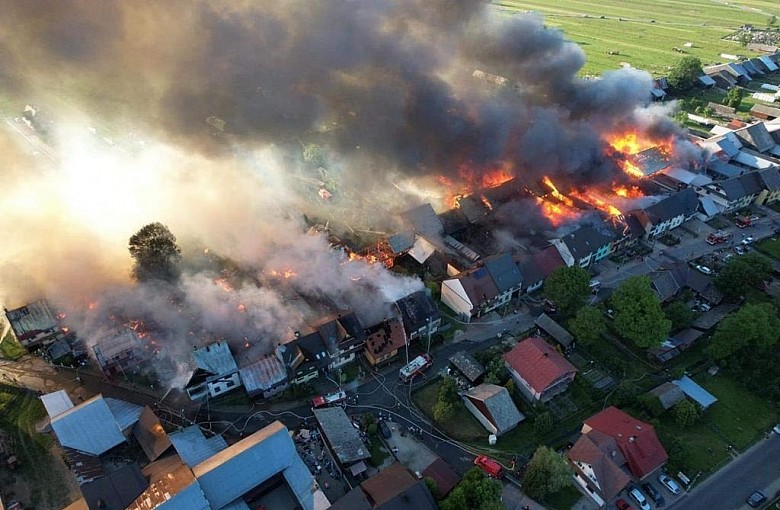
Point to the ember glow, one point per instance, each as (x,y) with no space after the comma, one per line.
(627,191)
(631,144)
(598,203)
(557,213)
(472,179)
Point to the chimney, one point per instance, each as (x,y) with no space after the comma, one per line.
(297,334)
(632,439)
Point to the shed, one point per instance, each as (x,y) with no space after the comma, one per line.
(706,81)
(555,330)
(342,437)
(493,407)
(467,365)
(668,394)
(762,111)
(695,392)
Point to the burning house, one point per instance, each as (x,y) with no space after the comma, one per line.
(384,341)
(215,372)
(120,351)
(419,314)
(667,214)
(34,324)
(265,377)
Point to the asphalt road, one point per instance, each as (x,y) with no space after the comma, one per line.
(756,469)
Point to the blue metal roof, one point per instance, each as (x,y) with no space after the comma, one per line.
(193,447)
(125,413)
(692,390)
(89,427)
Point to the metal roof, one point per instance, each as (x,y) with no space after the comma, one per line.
(504,272)
(215,358)
(501,411)
(117,489)
(177,489)
(424,220)
(768,62)
(341,435)
(56,403)
(150,435)
(706,80)
(193,447)
(263,374)
(668,394)
(89,427)
(467,365)
(554,329)
(32,320)
(703,397)
(125,414)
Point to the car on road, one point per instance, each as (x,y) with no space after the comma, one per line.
(639,498)
(384,429)
(656,496)
(703,269)
(622,504)
(741,250)
(756,499)
(748,240)
(670,484)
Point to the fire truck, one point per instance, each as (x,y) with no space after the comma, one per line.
(491,468)
(328,400)
(415,367)
(718,237)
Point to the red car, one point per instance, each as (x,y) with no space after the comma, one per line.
(622,504)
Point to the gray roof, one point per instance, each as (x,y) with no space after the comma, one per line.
(650,160)
(193,447)
(424,220)
(341,435)
(664,284)
(756,136)
(555,330)
(116,490)
(724,169)
(353,500)
(767,110)
(417,309)
(586,240)
(150,435)
(504,272)
(682,203)
(501,411)
(215,359)
(701,396)
(125,413)
(467,365)
(263,374)
(402,242)
(668,394)
(89,427)
(685,338)
(32,320)
(56,403)
(770,178)
(709,319)
(706,80)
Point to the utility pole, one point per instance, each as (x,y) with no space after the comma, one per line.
(428,330)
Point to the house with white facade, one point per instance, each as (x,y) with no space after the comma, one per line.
(539,370)
(586,245)
(665,215)
(215,372)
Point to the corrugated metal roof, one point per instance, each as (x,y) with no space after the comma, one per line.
(56,403)
(753,161)
(193,447)
(263,374)
(31,320)
(703,397)
(125,413)
(768,62)
(215,358)
(89,427)
(150,435)
(341,435)
(706,80)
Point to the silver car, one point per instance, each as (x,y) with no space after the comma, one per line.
(670,484)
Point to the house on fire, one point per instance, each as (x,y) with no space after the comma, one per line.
(120,351)
(34,324)
(665,215)
(614,449)
(419,314)
(480,290)
(265,377)
(215,372)
(539,370)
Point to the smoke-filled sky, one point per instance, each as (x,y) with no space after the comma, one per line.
(194,114)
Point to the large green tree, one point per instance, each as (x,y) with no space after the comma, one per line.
(475,491)
(447,400)
(754,326)
(547,472)
(155,253)
(568,287)
(638,313)
(588,325)
(684,73)
(742,273)
(685,413)
(734,97)
(680,315)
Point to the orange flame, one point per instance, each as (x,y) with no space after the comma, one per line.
(557,194)
(473,179)
(285,273)
(556,213)
(630,144)
(627,191)
(224,284)
(92,305)
(598,203)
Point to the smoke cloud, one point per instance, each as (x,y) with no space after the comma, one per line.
(195,114)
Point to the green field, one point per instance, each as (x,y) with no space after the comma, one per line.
(650,28)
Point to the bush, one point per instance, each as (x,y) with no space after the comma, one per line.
(372,428)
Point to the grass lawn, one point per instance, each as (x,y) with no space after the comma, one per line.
(10,348)
(378,453)
(703,449)
(564,499)
(655,28)
(463,426)
(770,247)
(19,411)
(739,415)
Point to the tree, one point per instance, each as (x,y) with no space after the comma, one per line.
(680,315)
(443,411)
(496,371)
(155,252)
(625,394)
(314,155)
(475,491)
(741,274)
(543,423)
(751,327)
(446,400)
(638,313)
(433,487)
(733,97)
(568,287)
(547,472)
(684,73)
(510,386)
(685,413)
(772,20)
(650,403)
(588,325)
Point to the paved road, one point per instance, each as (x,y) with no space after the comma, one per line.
(756,469)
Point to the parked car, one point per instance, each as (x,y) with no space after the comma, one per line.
(756,499)
(384,429)
(702,307)
(703,269)
(670,484)
(748,240)
(639,498)
(622,504)
(656,496)
(741,250)
(549,306)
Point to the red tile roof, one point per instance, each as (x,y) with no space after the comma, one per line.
(636,439)
(538,363)
(446,479)
(611,479)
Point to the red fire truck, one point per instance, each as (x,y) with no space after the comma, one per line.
(719,237)
(415,367)
(489,466)
(328,400)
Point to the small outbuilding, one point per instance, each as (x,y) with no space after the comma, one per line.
(466,365)
(695,392)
